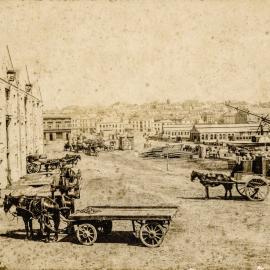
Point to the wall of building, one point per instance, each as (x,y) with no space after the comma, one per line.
(224,133)
(57,127)
(20,130)
(177,131)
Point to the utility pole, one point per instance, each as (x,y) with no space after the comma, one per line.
(27,74)
(167,157)
(10,58)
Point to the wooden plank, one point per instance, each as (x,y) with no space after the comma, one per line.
(126,213)
(118,217)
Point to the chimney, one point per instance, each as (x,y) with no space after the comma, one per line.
(28,87)
(11,75)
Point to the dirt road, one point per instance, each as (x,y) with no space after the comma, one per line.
(213,234)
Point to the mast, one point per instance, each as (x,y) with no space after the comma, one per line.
(10,58)
(264,119)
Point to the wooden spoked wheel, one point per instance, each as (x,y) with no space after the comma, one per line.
(152,234)
(257,189)
(29,168)
(86,234)
(241,188)
(32,168)
(35,168)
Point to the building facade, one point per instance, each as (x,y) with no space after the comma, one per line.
(182,132)
(159,126)
(142,125)
(224,132)
(57,127)
(21,130)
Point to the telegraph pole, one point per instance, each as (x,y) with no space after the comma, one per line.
(167,163)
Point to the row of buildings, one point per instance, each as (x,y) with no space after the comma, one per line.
(66,127)
(21,128)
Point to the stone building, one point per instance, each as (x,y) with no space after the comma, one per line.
(21,130)
(84,125)
(142,124)
(57,126)
(180,132)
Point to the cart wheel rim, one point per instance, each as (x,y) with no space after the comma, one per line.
(241,190)
(152,234)
(257,189)
(86,234)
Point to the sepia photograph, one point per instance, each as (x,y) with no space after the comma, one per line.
(135,134)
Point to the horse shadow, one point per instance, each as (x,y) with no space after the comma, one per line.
(20,234)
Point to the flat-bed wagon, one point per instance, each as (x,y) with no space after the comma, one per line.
(149,223)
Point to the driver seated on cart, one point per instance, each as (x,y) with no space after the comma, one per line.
(68,182)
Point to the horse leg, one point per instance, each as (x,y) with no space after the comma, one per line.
(206,192)
(30,221)
(226,192)
(230,190)
(41,231)
(56,224)
(25,220)
(46,229)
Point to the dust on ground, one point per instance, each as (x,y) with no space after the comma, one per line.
(205,234)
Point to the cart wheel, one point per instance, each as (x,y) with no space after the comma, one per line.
(241,189)
(152,234)
(257,189)
(29,168)
(86,234)
(35,168)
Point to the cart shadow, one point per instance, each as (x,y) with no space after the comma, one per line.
(115,237)
(218,198)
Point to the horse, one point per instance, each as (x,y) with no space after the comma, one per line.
(67,146)
(33,207)
(213,180)
(71,159)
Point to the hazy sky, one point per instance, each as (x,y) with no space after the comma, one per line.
(89,52)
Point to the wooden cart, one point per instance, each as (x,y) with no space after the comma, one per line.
(149,223)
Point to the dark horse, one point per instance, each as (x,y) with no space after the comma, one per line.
(213,180)
(43,209)
(71,159)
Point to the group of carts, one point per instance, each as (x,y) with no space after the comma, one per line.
(149,223)
(39,163)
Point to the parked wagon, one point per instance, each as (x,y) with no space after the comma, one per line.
(149,223)
(43,165)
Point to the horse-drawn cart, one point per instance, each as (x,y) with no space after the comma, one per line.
(149,223)
(251,186)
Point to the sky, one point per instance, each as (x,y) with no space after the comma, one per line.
(101,52)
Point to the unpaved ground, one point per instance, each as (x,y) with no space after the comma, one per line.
(213,234)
